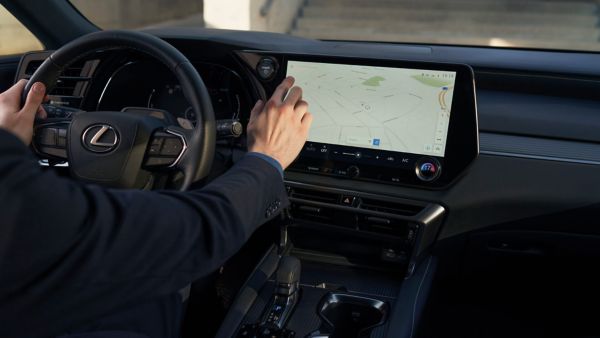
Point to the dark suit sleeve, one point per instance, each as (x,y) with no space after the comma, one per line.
(71,252)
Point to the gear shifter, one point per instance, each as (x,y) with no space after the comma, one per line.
(282,303)
(288,276)
(286,294)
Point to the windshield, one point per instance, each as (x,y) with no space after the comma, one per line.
(539,24)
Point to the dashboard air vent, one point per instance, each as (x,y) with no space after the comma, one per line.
(314,195)
(71,84)
(390,207)
(32,66)
(351,211)
(313,213)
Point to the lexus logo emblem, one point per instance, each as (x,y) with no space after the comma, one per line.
(100,138)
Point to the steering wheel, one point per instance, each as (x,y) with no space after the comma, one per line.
(119,148)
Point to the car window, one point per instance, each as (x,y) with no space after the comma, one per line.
(127,14)
(538,24)
(14,37)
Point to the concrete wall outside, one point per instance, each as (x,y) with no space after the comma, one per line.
(110,14)
(107,14)
(14,37)
(245,14)
(227,14)
(117,14)
(279,18)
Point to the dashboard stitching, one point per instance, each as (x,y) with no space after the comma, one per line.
(540,157)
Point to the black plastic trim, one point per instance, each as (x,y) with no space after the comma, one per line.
(410,304)
(540,148)
(248,293)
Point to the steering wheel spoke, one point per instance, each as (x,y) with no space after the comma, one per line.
(50,139)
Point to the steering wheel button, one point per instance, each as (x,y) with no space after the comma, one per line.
(155,146)
(159,161)
(62,138)
(172,147)
(47,137)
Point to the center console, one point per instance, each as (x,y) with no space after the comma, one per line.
(356,252)
(354,262)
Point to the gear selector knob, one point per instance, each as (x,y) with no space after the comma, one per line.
(288,276)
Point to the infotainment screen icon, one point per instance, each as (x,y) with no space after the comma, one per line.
(394,109)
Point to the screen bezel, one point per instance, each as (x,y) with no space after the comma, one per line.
(462,143)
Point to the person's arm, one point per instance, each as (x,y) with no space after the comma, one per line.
(70,252)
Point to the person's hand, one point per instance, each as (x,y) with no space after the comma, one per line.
(17,120)
(280,127)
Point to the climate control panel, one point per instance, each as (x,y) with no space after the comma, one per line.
(367,164)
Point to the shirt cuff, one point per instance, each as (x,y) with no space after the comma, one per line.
(269,160)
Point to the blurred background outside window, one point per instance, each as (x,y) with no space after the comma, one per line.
(14,37)
(539,24)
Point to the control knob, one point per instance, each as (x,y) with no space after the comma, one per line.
(428,169)
(266,68)
(353,171)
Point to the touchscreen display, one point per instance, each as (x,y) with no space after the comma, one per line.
(394,109)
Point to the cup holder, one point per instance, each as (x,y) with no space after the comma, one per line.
(350,316)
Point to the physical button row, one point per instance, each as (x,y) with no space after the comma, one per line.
(164,150)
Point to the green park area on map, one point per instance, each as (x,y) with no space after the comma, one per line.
(374,81)
(432,81)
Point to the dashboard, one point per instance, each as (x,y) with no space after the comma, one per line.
(533,156)
(401,122)
(104,83)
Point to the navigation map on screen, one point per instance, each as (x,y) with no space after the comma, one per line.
(395,109)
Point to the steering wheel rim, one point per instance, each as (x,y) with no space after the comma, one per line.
(199,145)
